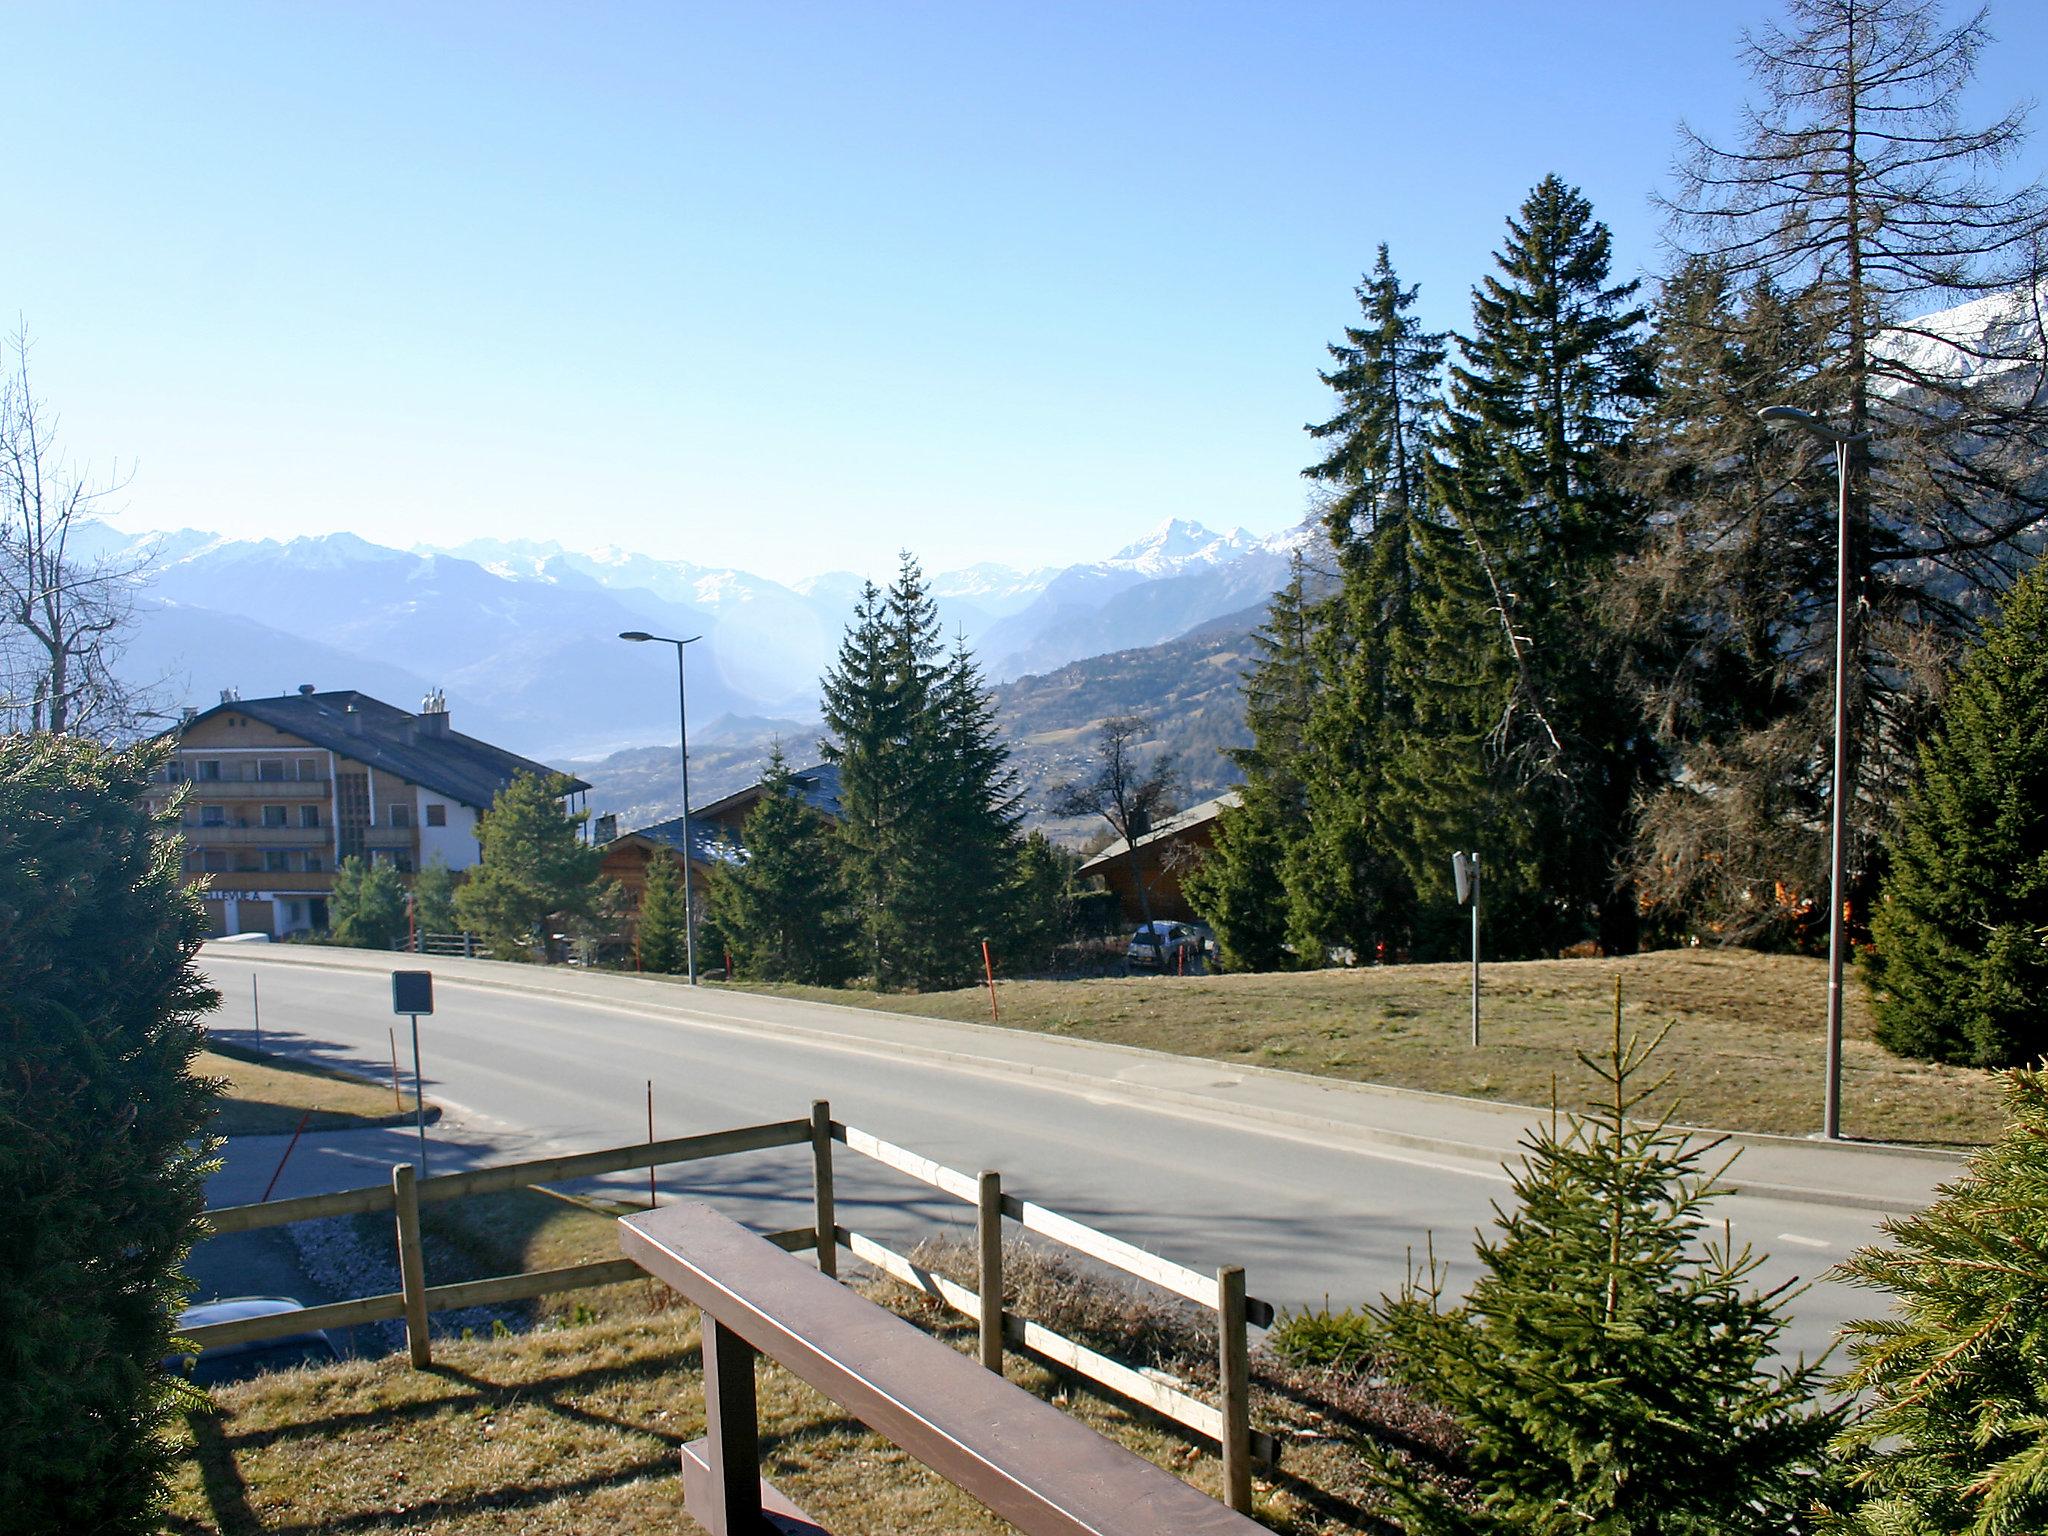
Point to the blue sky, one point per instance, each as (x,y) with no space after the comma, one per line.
(787,286)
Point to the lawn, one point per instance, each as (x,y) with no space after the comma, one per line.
(266,1095)
(1744,1050)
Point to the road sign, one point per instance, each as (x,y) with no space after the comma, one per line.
(412,992)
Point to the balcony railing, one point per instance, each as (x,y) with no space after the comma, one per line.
(298,881)
(257,789)
(199,835)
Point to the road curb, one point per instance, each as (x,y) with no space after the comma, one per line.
(1186,1099)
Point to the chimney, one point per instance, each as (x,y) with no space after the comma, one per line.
(187,715)
(306,690)
(432,719)
(353,719)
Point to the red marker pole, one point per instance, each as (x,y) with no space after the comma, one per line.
(989,969)
(650,1144)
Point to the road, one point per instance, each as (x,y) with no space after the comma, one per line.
(1321,1191)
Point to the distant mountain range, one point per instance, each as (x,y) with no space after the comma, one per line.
(521,634)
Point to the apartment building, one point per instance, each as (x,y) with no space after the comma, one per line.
(281,790)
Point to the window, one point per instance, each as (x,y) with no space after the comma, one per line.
(213,815)
(270,768)
(401,815)
(313,862)
(309,815)
(276,861)
(402,862)
(437,815)
(295,912)
(214,860)
(309,767)
(246,862)
(207,768)
(273,816)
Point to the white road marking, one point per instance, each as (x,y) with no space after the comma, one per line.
(1804,1242)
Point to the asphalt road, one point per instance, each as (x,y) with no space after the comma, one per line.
(1311,1213)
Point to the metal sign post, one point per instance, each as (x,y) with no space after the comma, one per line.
(412,994)
(1465,866)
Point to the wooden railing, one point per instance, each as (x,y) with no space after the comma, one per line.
(1226,1422)
(1037,1468)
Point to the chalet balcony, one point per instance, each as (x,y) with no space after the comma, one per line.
(277,791)
(256,837)
(297,882)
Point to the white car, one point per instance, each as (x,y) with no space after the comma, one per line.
(237,1362)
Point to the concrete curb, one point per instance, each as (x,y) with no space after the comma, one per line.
(1182,1098)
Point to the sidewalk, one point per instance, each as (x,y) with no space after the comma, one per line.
(1860,1176)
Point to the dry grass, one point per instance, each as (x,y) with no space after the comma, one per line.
(1745,1050)
(578,1428)
(266,1095)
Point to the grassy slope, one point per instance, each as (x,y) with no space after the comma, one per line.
(266,1095)
(1744,1052)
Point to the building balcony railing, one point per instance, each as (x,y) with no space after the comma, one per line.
(388,837)
(302,882)
(201,836)
(256,789)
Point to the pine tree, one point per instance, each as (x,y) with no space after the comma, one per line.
(1346,885)
(536,868)
(973,833)
(1955,1437)
(1237,888)
(1961,961)
(1608,1368)
(784,910)
(1858,193)
(366,908)
(663,944)
(1728,620)
(1521,745)
(1044,904)
(104,1148)
(433,897)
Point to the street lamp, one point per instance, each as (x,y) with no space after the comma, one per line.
(1838,810)
(683,711)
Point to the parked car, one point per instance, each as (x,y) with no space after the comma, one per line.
(221,1363)
(1166,946)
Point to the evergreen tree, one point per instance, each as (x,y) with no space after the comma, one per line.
(433,897)
(784,911)
(536,869)
(663,943)
(1237,889)
(103,1132)
(1521,745)
(366,908)
(1955,1439)
(1961,969)
(1608,1368)
(1858,191)
(974,830)
(1044,902)
(1728,619)
(1346,885)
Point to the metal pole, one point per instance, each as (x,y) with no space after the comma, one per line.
(1475,949)
(419,1093)
(256,1012)
(1838,793)
(689,901)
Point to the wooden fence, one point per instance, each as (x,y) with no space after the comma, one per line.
(1227,1422)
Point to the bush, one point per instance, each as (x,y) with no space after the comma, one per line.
(1961,959)
(1956,1373)
(102,1152)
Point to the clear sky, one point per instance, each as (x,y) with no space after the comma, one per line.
(788,286)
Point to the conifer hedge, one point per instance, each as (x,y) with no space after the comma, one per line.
(102,1150)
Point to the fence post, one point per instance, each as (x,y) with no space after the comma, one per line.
(468,944)
(1234,1377)
(732,1435)
(988,1232)
(412,1276)
(821,1178)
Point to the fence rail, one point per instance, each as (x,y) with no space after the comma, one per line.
(1226,1422)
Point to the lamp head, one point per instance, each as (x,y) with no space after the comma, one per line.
(1806,421)
(634,634)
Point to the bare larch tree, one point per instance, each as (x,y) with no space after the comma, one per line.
(1129,789)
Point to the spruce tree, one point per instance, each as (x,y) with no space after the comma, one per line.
(1960,964)
(1858,192)
(1521,744)
(973,831)
(1044,905)
(536,869)
(661,941)
(783,910)
(1609,1367)
(103,1132)
(1955,1374)
(366,908)
(433,897)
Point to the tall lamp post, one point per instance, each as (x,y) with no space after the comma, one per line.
(1838,809)
(683,714)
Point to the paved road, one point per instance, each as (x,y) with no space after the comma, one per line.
(1320,1190)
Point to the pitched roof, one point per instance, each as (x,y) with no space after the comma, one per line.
(709,842)
(817,786)
(1179,822)
(383,736)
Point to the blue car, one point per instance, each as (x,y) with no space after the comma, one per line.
(221,1363)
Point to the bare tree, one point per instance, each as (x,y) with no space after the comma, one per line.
(65,610)
(1130,792)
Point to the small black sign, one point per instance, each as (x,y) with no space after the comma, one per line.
(412,991)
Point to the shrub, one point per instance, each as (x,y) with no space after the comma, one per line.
(102,1152)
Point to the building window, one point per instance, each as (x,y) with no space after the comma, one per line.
(295,912)
(309,815)
(207,769)
(309,767)
(273,816)
(213,815)
(214,860)
(437,815)
(276,861)
(402,862)
(246,862)
(313,862)
(270,769)
(401,815)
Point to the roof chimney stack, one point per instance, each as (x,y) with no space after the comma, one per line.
(432,719)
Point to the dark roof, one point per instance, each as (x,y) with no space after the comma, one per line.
(709,841)
(406,745)
(817,786)
(1174,825)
